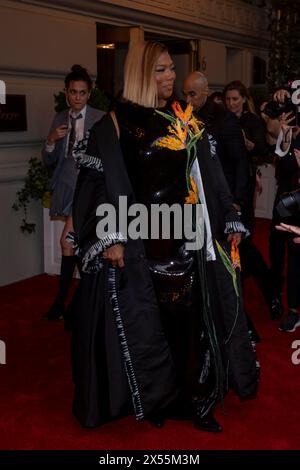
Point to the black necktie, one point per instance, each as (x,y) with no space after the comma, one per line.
(72,136)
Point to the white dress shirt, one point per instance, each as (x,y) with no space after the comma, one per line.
(79,130)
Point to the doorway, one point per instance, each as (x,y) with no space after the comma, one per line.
(112,46)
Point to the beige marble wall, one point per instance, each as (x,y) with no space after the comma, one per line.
(37,48)
(41,39)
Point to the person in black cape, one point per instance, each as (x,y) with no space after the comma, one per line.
(160,328)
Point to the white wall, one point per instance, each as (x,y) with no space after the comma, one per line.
(37,48)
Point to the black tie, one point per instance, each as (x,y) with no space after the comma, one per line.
(72,136)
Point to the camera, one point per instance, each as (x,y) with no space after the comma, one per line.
(289,204)
(274,109)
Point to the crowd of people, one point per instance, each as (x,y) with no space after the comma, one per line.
(159,328)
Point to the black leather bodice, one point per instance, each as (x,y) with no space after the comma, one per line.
(157,174)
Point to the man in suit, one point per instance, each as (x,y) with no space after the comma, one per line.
(229,144)
(68,128)
(225,130)
(227,141)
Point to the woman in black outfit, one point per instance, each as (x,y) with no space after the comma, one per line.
(135,293)
(239,102)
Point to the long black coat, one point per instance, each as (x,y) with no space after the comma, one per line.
(119,349)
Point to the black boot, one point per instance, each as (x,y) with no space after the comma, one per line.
(276,307)
(204,423)
(70,312)
(207,423)
(56,311)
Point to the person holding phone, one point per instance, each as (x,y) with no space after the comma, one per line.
(68,127)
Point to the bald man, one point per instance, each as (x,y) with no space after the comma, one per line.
(226,135)
(224,128)
(226,131)
(195,90)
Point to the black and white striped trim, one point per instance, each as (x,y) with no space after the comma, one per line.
(135,394)
(82,158)
(88,161)
(95,266)
(213,145)
(72,239)
(236,227)
(91,261)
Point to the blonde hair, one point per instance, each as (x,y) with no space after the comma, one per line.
(139,80)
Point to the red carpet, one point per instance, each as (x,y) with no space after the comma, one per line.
(36,387)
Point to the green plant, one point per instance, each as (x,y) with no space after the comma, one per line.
(284,57)
(98,100)
(35,188)
(259,94)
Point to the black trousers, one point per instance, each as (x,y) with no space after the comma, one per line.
(184,330)
(293,275)
(277,250)
(279,242)
(253,264)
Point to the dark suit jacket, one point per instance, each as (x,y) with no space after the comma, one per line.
(57,156)
(226,130)
(64,176)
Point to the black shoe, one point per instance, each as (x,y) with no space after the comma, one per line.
(291,322)
(207,423)
(55,313)
(276,308)
(157,420)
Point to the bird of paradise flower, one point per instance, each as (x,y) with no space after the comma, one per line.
(192,198)
(231,262)
(184,132)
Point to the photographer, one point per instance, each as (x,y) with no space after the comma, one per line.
(287,207)
(286,106)
(291,229)
(272,126)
